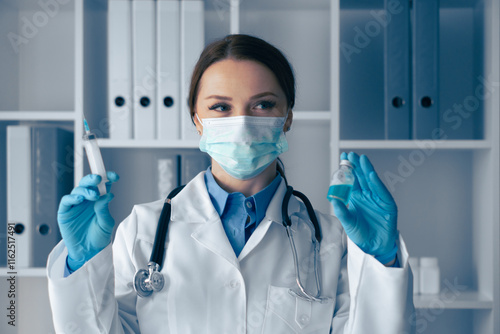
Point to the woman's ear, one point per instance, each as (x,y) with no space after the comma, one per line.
(199,127)
(288,121)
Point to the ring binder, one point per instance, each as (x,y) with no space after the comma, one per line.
(425,68)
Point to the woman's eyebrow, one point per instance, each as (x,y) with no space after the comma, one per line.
(263,94)
(220,97)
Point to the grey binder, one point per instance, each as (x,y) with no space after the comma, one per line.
(397,72)
(52,168)
(425,68)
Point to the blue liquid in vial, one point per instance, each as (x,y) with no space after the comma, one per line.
(339,191)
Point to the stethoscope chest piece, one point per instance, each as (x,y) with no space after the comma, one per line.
(148,280)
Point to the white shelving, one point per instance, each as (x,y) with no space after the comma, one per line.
(37,116)
(110,143)
(465,300)
(24,272)
(446,190)
(416,144)
(448,204)
(311,116)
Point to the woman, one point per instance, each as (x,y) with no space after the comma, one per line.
(228,266)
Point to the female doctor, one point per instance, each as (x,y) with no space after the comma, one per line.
(229,266)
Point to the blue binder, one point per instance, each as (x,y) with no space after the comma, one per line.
(425,17)
(397,72)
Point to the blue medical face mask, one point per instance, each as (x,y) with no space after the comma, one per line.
(243,145)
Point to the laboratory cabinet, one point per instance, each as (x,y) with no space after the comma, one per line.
(53,69)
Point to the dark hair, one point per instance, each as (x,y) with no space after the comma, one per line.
(244,47)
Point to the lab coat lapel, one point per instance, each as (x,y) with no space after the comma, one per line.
(273,215)
(193,205)
(212,236)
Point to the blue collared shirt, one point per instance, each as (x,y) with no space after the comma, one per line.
(240,215)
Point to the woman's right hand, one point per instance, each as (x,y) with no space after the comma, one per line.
(84,219)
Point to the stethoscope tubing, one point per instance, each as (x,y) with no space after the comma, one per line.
(162,229)
(148,280)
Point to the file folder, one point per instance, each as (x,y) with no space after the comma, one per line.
(52,179)
(397,72)
(192,44)
(144,68)
(168,68)
(19,194)
(425,68)
(120,104)
(38,175)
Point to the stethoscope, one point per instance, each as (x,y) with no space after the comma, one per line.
(147,281)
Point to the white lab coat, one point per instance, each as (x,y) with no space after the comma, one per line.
(209,290)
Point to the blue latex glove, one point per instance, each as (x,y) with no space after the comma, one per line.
(84,220)
(370,219)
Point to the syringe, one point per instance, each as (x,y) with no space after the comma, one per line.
(94,157)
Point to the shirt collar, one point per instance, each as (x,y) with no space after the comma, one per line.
(217,194)
(261,199)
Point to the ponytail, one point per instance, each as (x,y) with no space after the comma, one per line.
(280,168)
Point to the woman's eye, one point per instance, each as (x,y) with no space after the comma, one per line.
(219,107)
(266,105)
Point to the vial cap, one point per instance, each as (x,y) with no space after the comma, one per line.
(345,163)
(428,261)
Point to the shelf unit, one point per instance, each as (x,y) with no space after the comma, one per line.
(67,58)
(446,190)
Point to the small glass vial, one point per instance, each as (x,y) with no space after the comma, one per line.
(415,269)
(429,275)
(341,182)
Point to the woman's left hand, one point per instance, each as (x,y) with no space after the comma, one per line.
(370,219)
